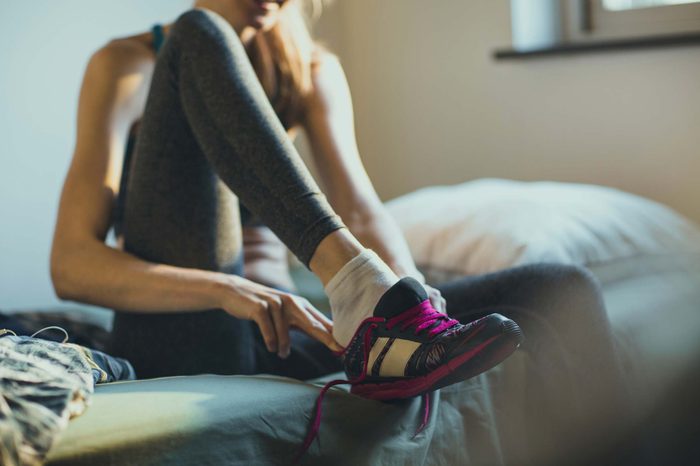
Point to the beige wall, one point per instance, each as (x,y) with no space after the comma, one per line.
(433,107)
(44,47)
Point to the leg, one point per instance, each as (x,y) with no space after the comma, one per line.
(244,140)
(207,128)
(308,359)
(207,110)
(576,376)
(208,106)
(208,132)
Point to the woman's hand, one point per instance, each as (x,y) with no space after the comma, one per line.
(436,299)
(275,312)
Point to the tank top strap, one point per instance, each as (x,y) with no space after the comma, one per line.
(158,37)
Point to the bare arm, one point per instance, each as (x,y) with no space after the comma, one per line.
(330,128)
(84,268)
(331,131)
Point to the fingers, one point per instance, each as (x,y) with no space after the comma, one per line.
(321,317)
(274,324)
(261,316)
(315,324)
(318,331)
(279,308)
(274,313)
(439,304)
(436,299)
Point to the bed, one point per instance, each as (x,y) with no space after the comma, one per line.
(251,420)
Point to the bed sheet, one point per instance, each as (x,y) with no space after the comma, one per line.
(654,310)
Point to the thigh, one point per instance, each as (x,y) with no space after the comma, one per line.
(573,367)
(308,358)
(177,210)
(561,301)
(188,343)
(561,312)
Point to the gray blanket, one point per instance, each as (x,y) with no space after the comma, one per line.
(490,419)
(43,384)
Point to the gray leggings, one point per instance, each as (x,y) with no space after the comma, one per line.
(209,132)
(208,137)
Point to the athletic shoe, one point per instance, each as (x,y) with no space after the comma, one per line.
(408,348)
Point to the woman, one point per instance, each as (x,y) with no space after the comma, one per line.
(210,125)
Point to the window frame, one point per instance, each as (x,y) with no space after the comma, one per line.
(588,20)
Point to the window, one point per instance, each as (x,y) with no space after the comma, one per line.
(543,27)
(618,19)
(619,5)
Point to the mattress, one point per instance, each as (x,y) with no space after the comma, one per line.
(246,420)
(653,305)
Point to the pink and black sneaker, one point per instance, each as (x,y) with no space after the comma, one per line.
(407,348)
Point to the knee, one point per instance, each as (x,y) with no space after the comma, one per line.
(575,278)
(562,285)
(576,295)
(191,21)
(199,24)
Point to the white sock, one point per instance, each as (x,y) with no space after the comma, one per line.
(355,291)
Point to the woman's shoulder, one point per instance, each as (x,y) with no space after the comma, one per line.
(123,54)
(118,74)
(327,78)
(322,59)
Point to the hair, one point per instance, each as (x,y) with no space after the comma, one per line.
(283,58)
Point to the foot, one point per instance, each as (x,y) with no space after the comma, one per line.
(407,348)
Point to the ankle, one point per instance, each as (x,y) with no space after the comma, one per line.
(332,253)
(355,290)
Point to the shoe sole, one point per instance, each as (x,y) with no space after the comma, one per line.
(481,358)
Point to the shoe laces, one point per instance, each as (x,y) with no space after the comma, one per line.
(366,346)
(421,317)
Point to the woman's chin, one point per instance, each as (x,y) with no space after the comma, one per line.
(262,23)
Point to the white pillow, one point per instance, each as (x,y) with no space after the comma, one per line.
(487,225)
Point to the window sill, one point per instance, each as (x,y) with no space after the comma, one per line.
(600,46)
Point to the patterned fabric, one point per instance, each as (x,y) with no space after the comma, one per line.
(84,330)
(43,384)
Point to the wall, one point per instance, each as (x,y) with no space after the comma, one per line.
(44,46)
(433,107)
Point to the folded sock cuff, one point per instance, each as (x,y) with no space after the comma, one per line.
(348,269)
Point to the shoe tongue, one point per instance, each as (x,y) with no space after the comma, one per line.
(405,294)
